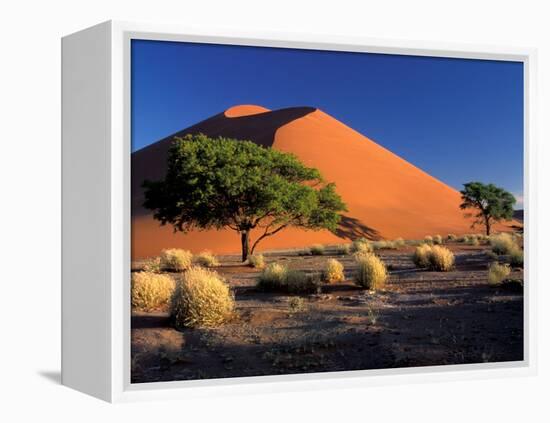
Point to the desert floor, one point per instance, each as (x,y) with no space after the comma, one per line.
(421,319)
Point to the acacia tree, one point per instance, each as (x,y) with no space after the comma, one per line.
(492,203)
(227,183)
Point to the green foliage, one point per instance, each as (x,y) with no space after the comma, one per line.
(227,183)
(492,204)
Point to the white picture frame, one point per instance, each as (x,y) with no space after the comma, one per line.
(96,226)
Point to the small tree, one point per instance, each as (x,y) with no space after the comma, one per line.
(492,203)
(227,183)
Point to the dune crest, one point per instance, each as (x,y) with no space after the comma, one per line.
(245,110)
(387,197)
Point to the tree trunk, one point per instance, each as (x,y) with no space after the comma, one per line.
(245,235)
(487,225)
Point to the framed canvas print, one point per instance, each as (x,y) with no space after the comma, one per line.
(253,212)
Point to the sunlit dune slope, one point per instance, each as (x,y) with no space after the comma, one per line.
(387,197)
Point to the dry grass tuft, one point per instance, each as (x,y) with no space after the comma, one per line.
(317,250)
(503,243)
(516,258)
(361,245)
(498,272)
(344,249)
(399,242)
(277,277)
(384,245)
(452,237)
(152,265)
(471,240)
(428,239)
(206,259)
(334,271)
(257,261)
(201,299)
(273,277)
(433,257)
(298,282)
(175,259)
(421,256)
(371,272)
(151,291)
(438,240)
(441,259)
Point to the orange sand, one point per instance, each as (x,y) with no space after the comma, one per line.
(386,196)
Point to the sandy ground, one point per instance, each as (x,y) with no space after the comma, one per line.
(422,318)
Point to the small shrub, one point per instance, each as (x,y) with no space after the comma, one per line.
(273,277)
(175,259)
(371,272)
(421,256)
(428,239)
(296,304)
(152,265)
(206,259)
(471,240)
(491,255)
(452,237)
(399,242)
(498,272)
(441,259)
(433,257)
(298,282)
(256,261)
(151,290)
(438,240)
(334,271)
(516,258)
(317,250)
(344,249)
(201,299)
(384,245)
(502,243)
(361,245)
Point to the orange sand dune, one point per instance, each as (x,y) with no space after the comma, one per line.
(387,197)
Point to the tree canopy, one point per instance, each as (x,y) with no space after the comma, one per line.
(227,183)
(492,203)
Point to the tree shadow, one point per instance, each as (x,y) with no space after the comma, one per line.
(352,228)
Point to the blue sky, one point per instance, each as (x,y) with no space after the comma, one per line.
(459,120)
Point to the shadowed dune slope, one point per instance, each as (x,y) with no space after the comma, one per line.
(387,197)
